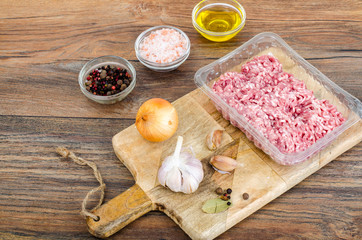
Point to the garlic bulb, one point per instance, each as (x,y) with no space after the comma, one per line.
(181,172)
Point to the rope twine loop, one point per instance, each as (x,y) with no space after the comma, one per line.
(102,186)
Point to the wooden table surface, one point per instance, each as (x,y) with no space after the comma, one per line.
(44,44)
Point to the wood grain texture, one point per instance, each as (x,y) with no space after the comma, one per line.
(43,45)
(119,212)
(258,175)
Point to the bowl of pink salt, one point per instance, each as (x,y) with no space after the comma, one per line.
(162,48)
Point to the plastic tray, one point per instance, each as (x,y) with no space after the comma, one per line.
(322,87)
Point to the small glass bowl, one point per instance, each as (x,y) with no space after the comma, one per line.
(161,67)
(103,61)
(222,5)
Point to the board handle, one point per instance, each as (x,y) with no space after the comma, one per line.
(119,211)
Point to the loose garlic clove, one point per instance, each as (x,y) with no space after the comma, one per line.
(213,139)
(223,163)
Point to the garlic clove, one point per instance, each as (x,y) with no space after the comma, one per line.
(162,172)
(213,139)
(189,184)
(223,163)
(174,179)
(195,169)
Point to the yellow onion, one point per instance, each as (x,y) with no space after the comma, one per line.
(156,120)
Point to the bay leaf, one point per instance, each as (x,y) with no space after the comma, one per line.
(215,205)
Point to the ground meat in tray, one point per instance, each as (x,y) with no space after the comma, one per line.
(277,104)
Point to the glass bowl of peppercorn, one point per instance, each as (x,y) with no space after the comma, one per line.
(107,79)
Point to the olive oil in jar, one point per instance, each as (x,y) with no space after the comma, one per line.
(218,18)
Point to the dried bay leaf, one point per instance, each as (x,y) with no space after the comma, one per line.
(215,205)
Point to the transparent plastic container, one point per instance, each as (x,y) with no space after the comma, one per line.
(322,87)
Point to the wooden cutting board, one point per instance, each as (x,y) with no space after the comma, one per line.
(257,174)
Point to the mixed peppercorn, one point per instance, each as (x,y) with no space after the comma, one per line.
(225,195)
(245,196)
(107,80)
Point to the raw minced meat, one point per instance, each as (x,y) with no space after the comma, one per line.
(277,104)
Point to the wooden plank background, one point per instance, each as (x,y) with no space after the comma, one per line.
(44,44)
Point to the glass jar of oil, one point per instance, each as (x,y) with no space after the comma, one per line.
(218,20)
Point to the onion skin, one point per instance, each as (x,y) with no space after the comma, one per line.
(156,120)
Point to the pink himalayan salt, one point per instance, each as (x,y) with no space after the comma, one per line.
(163,46)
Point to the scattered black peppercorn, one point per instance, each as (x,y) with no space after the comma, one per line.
(229,203)
(219,191)
(228,190)
(107,80)
(245,196)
